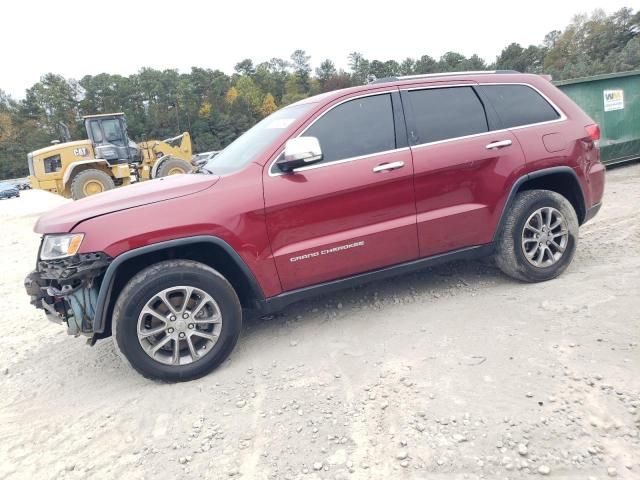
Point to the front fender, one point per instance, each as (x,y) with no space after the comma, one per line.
(106,287)
(68,173)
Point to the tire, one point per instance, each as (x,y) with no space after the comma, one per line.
(89,182)
(170,276)
(172,166)
(515,241)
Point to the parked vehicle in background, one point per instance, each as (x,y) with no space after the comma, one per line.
(8,190)
(613,100)
(108,158)
(200,159)
(335,190)
(22,184)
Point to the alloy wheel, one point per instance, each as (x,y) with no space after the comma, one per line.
(179,325)
(545,237)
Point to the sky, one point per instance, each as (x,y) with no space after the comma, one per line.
(75,38)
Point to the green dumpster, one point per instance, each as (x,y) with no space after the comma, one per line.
(613,101)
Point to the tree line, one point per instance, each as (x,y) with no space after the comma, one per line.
(216,107)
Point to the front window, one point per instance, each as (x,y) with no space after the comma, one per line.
(359,127)
(246,148)
(113,131)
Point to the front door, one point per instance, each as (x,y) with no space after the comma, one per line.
(355,210)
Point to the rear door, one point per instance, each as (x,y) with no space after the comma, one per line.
(354,211)
(535,122)
(463,169)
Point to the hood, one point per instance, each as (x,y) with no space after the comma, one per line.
(58,146)
(64,218)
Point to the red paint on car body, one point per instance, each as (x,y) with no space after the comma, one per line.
(448,195)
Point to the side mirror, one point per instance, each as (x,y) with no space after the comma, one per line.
(299,152)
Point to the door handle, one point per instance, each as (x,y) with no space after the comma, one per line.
(387,167)
(500,144)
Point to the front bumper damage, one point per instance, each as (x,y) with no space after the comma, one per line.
(67,289)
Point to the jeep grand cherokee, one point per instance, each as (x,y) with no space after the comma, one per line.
(338,189)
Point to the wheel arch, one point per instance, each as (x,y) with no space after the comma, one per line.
(209,250)
(76,167)
(562,180)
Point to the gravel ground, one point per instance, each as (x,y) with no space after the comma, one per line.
(454,372)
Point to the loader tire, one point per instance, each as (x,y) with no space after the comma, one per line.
(89,182)
(172,166)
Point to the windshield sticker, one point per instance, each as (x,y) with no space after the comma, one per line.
(281,123)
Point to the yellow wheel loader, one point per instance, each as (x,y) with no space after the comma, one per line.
(106,160)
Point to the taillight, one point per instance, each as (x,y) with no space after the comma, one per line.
(593,131)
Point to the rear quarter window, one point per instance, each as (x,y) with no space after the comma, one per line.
(518,105)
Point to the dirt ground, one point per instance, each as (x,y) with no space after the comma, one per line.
(456,372)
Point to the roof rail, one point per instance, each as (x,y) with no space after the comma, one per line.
(440,74)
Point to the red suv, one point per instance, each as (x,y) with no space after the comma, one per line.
(338,189)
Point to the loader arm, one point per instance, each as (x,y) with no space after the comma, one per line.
(154,149)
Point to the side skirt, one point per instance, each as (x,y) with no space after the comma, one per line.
(274,304)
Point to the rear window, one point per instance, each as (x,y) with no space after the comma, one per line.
(518,105)
(443,113)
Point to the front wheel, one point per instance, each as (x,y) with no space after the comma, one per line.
(539,237)
(176,320)
(173,166)
(89,182)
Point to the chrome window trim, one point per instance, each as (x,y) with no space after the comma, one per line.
(558,110)
(388,91)
(344,160)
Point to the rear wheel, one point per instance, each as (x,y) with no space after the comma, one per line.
(89,182)
(173,166)
(176,320)
(539,236)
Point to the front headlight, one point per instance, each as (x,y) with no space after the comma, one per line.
(60,246)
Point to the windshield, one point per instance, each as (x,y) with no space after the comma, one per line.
(246,148)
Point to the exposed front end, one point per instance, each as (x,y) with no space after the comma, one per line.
(66,287)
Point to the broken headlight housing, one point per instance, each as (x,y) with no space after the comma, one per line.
(60,245)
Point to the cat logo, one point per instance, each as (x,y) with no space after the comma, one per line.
(80,152)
